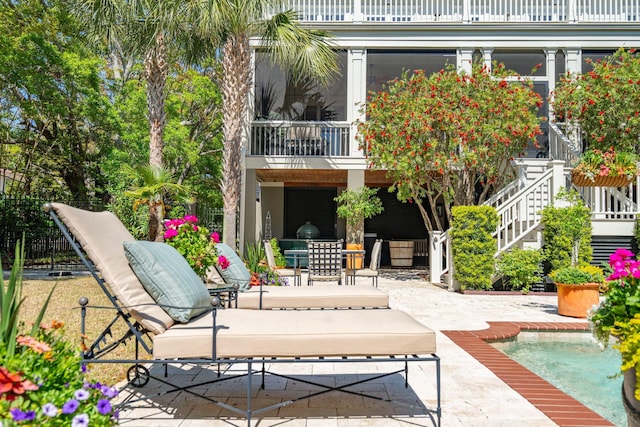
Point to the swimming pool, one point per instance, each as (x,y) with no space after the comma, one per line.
(574,364)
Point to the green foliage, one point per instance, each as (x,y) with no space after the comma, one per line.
(628,334)
(607,163)
(40,372)
(604,102)
(281,261)
(255,257)
(521,266)
(473,245)
(443,136)
(194,242)
(567,232)
(355,206)
(577,275)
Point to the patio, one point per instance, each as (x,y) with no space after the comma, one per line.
(472,395)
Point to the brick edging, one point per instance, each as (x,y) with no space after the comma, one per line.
(561,408)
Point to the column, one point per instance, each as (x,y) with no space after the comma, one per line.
(356,93)
(464,60)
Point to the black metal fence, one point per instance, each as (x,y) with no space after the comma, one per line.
(45,246)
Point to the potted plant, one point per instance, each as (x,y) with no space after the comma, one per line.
(605,168)
(578,289)
(354,206)
(618,316)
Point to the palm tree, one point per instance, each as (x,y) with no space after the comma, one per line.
(158,185)
(304,52)
(152,30)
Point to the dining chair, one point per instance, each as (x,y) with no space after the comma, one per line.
(282,272)
(372,271)
(325,262)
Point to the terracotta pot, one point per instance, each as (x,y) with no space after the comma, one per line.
(576,300)
(631,404)
(355,261)
(600,181)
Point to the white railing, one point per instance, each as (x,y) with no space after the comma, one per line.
(563,148)
(294,138)
(522,213)
(505,193)
(612,203)
(467,11)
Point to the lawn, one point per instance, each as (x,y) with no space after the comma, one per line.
(64,307)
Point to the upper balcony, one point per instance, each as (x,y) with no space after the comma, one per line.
(467,11)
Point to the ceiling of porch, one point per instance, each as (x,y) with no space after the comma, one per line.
(318,177)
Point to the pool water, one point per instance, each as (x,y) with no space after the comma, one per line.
(575,365)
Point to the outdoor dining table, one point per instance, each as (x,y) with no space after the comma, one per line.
(349,254)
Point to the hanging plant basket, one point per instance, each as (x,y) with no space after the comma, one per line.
(600,181)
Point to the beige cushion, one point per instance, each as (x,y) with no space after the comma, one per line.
(292,333)
(101,235)
(313,297)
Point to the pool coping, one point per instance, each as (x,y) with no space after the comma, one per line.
(561,408)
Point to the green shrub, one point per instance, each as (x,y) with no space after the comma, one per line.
(521,266)
(473,245)
(577,275)
(567,232)
(281,261)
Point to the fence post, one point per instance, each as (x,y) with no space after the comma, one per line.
(435,257)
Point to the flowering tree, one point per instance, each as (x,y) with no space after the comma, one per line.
(449,137)
(605,102)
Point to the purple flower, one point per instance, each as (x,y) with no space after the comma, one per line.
(109,392)
(19,415)
(70,406)
(103,406)
(81,420)
(81,394)
(50,410)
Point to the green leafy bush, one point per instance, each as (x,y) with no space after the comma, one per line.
(281,261)
(567,232)
(473,245)
(521,266)
(577,275)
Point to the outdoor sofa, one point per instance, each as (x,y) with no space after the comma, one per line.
(180,325)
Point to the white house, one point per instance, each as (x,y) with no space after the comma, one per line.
(301,148)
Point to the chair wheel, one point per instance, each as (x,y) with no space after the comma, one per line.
(138,375)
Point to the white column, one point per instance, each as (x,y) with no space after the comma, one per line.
(487,54)
(356,93)
(551,76)
(573,61)
(464,60)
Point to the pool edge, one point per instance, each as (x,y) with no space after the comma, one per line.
(561,408)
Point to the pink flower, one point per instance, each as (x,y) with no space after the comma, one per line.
(170,233)
(223,262)
(191,218)
(34,344)
(215,237)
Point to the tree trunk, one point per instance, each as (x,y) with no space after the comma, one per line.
(236,78)
(156,69)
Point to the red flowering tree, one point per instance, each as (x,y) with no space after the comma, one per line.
(449,137)
(605,102)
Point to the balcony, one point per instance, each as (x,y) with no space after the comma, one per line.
(296,138)
(466,11)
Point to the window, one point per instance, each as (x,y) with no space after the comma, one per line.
(523,62)
(383,66)
(278,97)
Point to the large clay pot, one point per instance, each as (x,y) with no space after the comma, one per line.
(576,300)
(355,260)
(631,404)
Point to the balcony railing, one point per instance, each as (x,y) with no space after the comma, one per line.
(467,11)
(294,138)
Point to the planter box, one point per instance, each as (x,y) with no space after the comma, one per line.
(401,252)
(600,181)
(576,300)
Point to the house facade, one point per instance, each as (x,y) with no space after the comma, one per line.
(301,148)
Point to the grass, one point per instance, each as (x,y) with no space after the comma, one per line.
(64,307)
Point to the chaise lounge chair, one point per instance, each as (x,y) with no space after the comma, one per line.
(177,326)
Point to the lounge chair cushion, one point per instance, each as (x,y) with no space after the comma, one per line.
(101,235)
(295,333)
(236,272)
(275,297)
(167,276)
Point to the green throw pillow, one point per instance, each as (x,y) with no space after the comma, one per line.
(168,278)
(237,271)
